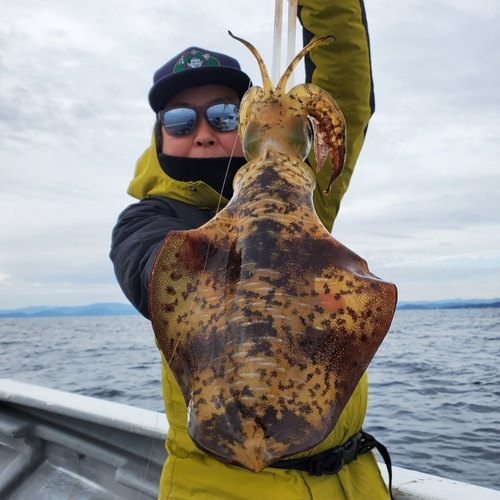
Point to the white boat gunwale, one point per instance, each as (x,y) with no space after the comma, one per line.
(46,432)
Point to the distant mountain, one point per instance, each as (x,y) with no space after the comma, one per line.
(116,309)
(451,304)
(103,309)
(475,306)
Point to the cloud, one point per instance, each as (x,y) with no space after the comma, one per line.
(422,207)
(424,193)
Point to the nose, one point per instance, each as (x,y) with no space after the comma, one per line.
(204,135)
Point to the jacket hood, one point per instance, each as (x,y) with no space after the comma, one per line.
(150,180)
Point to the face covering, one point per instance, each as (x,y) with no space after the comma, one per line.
(218,173)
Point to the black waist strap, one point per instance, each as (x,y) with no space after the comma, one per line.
(332,460)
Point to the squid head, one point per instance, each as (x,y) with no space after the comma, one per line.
(291,121)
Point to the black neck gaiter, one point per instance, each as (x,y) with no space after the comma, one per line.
(211,171)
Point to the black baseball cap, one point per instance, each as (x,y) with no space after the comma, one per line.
(193,67)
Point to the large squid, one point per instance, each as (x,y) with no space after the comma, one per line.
(266,320)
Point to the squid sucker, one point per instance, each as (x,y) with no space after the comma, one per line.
(266,320)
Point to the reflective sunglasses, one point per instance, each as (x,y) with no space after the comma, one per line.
(182,121)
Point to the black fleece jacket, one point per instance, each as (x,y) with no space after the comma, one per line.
(139,234)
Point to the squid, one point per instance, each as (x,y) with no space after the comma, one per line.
(266,320)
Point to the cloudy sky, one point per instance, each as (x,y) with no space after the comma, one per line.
(422,208)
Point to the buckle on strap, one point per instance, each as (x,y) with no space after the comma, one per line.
(331,461)
(327,462)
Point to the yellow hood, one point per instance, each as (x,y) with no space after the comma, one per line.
(150,180)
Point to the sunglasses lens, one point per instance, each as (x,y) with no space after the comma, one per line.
(179,121)
(223,117)
(182,121)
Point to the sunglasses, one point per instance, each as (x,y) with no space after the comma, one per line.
(182,121)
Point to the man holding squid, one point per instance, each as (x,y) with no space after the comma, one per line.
(185,176)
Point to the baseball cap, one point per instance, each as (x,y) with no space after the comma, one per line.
(193,67)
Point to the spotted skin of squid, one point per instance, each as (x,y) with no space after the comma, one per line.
(266,320)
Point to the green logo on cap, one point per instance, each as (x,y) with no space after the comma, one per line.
(195,59)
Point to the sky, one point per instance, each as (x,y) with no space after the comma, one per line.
(423,206)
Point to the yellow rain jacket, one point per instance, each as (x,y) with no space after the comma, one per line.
(343,69)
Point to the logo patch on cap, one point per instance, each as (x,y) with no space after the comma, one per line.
(194,59)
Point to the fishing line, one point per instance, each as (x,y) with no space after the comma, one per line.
(219,202)
(150,458)
(255,69)
(217,209)
(278,28)
(216,212)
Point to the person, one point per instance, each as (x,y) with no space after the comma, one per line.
(185,176)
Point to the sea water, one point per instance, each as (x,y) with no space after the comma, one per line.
(434,383)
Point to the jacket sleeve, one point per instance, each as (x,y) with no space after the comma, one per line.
(343,69)
(137,238)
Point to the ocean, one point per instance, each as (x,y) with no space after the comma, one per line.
(434,383)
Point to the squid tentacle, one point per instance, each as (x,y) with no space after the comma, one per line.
(271,117)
